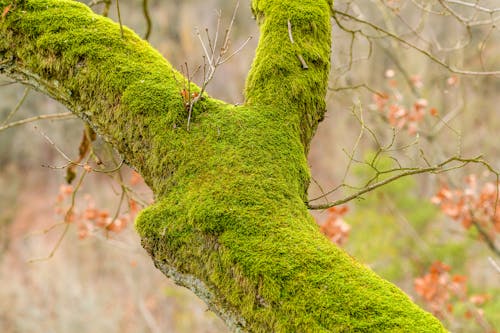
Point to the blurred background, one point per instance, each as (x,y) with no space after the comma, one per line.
(390,107)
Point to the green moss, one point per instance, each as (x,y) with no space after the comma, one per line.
(230,191)
(277,60)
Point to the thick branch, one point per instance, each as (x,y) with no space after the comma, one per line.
(292,62)
(229,221)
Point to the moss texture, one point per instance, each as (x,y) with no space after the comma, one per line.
(230,191)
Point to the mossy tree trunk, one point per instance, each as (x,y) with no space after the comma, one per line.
(229,220)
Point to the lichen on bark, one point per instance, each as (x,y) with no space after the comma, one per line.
(229,220)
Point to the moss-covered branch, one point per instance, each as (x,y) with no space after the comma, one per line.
(229,221)
(292,62)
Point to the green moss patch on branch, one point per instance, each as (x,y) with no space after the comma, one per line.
(239,224)
(230,211)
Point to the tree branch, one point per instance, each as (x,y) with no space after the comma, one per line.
(438,168)
(415,47)
(229,220)
(59,116)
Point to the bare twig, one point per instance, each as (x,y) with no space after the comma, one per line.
(213,57)
(119,16)
(58,116)
(357,86)
(475,5)
(290,31)
(290,35)
(484,236)
(494,264)
(49,140)
(438,168)
(67,221)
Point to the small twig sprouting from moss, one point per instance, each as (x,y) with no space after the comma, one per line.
(299,56)
(213,57)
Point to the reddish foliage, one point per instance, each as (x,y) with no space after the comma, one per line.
(335,228)
(472,204)
(135,178)
(398,113)
(441,291)
(453,80)
(91,219)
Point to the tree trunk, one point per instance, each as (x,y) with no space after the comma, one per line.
(229,222)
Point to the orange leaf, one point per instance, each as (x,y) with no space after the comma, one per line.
(459,278)
(135,178)
(185,95)
(479,299)
(6,10)
(132,204)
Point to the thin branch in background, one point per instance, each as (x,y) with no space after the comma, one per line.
(145,11)
(49,140)
(116,176)
(494,264)
(107,5)
(68,216)
(148,317)
(353,33)
(484,236)
(7,83)
(357,86)
(411,45)
(469,22)
(482,46)
(213,57)
(357,142)
(55,116)
(97,2)
(475,5)
(436,169)
(17,107)
(323,194)
(119,16)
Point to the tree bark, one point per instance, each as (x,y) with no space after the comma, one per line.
(229,221)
